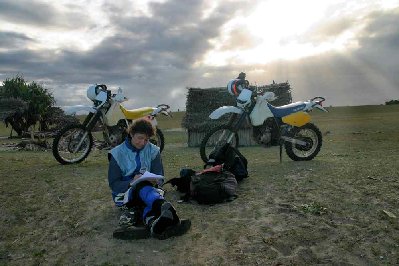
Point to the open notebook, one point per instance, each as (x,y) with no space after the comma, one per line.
(147,176)
(123,198)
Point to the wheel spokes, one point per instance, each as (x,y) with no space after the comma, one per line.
(218,140)
(73,145)
(311,139)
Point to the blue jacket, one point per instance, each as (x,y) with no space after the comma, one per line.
(126,161)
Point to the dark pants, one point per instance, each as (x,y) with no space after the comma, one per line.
(145,194)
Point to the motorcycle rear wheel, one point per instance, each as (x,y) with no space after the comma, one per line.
(158,139)
(66,142)
(215,139)
(313,138)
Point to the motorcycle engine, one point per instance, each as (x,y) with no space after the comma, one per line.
(116,135)
(266,134)
(262,135)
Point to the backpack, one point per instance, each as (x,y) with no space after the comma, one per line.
(210,186)
(213,185)
(232,160)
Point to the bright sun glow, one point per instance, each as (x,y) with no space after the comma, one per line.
(286,29)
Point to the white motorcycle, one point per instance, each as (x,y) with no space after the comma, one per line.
(271,126)
(73,143)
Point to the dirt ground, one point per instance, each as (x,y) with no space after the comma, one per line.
(339,209)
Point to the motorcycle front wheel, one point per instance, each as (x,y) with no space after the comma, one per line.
(311,135)
(72,144)
(217,138)
(158,139)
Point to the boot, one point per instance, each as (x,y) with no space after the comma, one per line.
(166,223)
(131,216)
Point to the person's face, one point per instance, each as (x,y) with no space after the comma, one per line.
(139,140)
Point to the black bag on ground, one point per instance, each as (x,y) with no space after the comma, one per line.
(232,160)
(213,185)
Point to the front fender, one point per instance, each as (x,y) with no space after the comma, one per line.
(225,110)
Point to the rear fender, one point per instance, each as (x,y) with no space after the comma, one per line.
(225,110)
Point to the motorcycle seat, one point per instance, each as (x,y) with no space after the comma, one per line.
(136,113)
(288,109)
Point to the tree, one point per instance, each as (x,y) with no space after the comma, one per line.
(391,102)
(38,101)
(11,112)
(56,118)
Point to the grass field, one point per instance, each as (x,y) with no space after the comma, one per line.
(339,209)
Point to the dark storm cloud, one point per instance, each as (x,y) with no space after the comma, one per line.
(12,40)
(40,14)
(26,12)
(148,56)
(175,32)
(23,61)
(381,32)
(379,44)
(152,58)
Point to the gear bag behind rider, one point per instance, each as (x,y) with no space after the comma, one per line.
(210,186)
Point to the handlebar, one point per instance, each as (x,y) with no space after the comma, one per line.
(321,99)
(102,86)
(163,109)
(318,100)
(318,103)
(163,106)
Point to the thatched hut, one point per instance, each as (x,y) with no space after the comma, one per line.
(201,102)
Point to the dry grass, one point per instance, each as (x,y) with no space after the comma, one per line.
(326,211)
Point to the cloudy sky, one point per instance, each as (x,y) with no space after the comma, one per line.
(344,50)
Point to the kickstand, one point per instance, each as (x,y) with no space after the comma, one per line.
(281,151)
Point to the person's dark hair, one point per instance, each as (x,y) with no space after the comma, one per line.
(241,76)
(141,126)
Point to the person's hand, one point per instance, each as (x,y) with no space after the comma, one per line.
(134,179)
(137,177)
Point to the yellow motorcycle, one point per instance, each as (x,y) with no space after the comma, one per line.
(73,143)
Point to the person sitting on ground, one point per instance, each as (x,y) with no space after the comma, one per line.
(127,162)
